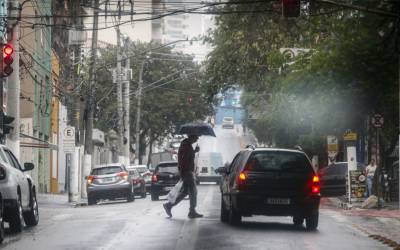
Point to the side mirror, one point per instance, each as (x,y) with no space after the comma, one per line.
(28,166)
(221,170)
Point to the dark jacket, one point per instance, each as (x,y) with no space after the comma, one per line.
(186,156)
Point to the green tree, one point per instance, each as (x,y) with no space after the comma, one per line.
(169,80)
(347,71)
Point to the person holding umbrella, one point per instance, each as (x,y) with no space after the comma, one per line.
(186,156)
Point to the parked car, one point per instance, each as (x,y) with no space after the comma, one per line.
(18,192)
(270,181)
(228,122)
(145,173)
(110,181)
(333,178)
(165,177)
(1,219)
(139,185)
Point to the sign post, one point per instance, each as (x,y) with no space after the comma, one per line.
(377,122)
(351,139)
(73,174)
(333,148)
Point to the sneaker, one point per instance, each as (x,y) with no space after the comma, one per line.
(167,209)
(194,214)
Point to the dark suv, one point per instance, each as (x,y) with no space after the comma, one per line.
(165,177)
(270,181)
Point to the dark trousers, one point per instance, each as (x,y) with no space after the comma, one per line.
(188,188)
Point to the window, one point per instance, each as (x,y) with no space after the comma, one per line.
(168,168)
(278,161)
(106,170)
(3,157)
(13,161)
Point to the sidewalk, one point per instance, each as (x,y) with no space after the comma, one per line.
(380,224)
(388,210)
(57,200)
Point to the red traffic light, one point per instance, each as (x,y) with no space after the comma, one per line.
(8,50)
(8,60)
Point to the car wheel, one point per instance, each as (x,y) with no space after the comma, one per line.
(298,220)
(91,200)
(17,222)
(154,197)
(1,220)
(312,220)
(224,217)
(32,216)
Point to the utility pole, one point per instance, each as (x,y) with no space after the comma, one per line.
(72,162)
(127,103)
(119,100)
(14,87)
(139,107)
(87,166)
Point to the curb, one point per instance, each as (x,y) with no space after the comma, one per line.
(378,237)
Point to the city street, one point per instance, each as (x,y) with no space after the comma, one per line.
(144,225)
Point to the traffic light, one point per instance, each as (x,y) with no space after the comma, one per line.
(290,8)
(5,127)
(8,52)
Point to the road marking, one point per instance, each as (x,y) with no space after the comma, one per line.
(190,230)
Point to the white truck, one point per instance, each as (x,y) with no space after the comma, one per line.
(206,163)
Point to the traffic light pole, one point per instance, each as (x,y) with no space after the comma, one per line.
(13,93)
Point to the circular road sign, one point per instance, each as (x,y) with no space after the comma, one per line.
(377,121)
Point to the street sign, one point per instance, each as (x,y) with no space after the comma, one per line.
(377,121)
(69,139)
(350,136)
(358,185)
(333,145)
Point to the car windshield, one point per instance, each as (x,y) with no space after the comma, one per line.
(106,170)
(168,168)
(278,161)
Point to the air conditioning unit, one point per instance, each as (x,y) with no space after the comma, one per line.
(98,136)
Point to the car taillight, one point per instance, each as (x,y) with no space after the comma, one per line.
(2,173)
(315,187)
(154,178)
(90,179)
(241,179)
(123,175)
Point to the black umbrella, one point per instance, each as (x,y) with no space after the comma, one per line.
(197,129)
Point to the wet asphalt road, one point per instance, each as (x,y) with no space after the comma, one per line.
(143,224)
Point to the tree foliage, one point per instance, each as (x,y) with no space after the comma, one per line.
(169,80)
(346,71)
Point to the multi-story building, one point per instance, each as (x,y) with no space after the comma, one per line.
(37,92)
(179,27)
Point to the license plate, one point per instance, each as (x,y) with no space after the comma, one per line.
(168,188)
(278,201)
(108,179)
